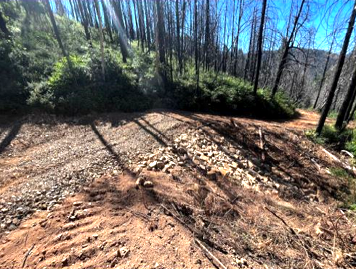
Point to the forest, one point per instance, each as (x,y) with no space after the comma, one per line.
(208,133)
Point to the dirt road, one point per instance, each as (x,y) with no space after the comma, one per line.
(69,197)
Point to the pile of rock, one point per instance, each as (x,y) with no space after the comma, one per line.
(213,156)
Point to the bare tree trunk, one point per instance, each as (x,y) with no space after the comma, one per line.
(247,65)
(121,31)
(161,61)
(148,26)
(84,21)
(323,77)
(237,37)
(259,50)
(339,66)
(57,34)
(178,38)
(107,21)
(196,42)
(207,35)
(101,40)
(348,101)
(287,45)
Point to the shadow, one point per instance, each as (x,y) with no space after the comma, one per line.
(154,135)
(292,168)
(110,149)
(10,136)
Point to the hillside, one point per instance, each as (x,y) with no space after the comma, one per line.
(177,134)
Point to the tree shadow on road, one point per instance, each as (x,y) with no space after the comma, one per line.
(10,136)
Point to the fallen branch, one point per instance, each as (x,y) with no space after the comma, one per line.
(262,144)
(283,221)
(316,164)
(210,255)
(197,233)
(336,159)
(27,255)
(347,153)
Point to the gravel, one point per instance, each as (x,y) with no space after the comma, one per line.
(49,160)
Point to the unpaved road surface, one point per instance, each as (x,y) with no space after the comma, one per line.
(69,196)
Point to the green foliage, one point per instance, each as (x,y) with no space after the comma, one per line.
(332,137)
(229,95)
(78,87)
(12,93)
(34,73)
(349,198)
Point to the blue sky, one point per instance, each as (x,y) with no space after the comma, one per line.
(325,16)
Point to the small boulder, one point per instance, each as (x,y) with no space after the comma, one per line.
(148,184)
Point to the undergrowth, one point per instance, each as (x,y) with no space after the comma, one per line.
(338,141)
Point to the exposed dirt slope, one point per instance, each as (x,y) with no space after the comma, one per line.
(219,198)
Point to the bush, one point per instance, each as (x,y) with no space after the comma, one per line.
(12,88)
(229,95)
(332,137)
(78,88)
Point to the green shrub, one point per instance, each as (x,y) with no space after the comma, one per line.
(79,88)
(333,137)
(228,95)
(12,87)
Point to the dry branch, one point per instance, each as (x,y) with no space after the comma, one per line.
(27,255)
(262,144)
(210,255)
(336,159)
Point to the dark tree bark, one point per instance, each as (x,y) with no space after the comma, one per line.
(339,67)
(286,48)
(237,37)
(196,42)
(207,35)
(348,101)
(107,21)
(142,25)
(178,38)
(56,32)
(250,50)
(101,39)
(84,20)
(148,25)
(121,31)
(259,44)
(132,31)
(161,58)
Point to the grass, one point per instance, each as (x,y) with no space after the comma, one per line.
(349,201)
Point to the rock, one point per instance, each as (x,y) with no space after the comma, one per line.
(140,181)
(152,165)
(148,184)
(137,170)
(182,151)
(241,262)
(95,236)
(160,165)
(65,262)
(123,252)
(224,172)
(212,174)
(204,158)
(16,221)
(77,203)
